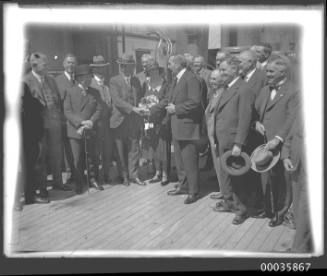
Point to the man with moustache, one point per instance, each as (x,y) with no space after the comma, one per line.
(276,107)
(184,108)
(232,124)
(65,82)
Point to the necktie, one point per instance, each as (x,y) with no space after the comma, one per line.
(273,92)
(174,82)
(72,79)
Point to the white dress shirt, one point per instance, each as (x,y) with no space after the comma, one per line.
(180,74)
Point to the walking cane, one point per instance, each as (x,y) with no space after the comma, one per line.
(86,161)
(269,182)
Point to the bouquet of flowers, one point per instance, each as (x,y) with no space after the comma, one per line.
(146,103)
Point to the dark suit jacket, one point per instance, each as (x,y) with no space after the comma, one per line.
(78,108)
(63,85)
(257,81)
(31,117)
(186,96)
(293,148)
(35,91)
(124,98)
(277,116)
(233,116)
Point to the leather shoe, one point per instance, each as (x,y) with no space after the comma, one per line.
(239,219)
(177,191)
(260,215)
(155,180)
(80,190)
(44,193)
(125,182)
(218,195)
(221,207)
(97,186)
(138,181)
(62,187)
(275,221)
(38,199)
(191,198)
(164,183)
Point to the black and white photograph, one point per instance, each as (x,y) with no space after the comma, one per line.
(164,131)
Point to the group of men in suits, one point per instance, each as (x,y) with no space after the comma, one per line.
(246,101)
(74,118)
(253,101)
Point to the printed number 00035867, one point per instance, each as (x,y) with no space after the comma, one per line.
(288,267)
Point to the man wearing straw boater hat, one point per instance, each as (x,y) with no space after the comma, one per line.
(126,120)
(276,107)
(103,147)
(82,111)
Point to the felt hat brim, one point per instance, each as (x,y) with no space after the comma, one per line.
(262,169)
(234,171)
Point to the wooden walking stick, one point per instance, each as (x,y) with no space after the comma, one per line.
(86,161)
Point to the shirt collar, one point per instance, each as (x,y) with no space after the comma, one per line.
(82,87)
(99,80)
(232,82)
(69,76)
(249,75)
(180,74)
(263,64)
(279,84)
(37,76)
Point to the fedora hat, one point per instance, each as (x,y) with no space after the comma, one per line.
(235,165)
(83,69)
(126,59)
(98,61)
(263,160)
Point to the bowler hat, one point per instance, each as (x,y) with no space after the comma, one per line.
(83,69)
(235,165)
(126,59)
(98,61)
(263,159)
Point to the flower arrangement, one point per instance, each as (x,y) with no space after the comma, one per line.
(146,103)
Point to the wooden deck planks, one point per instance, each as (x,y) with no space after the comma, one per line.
(136,217)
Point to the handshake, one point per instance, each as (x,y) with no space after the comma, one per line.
(141,110)
(88,124)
